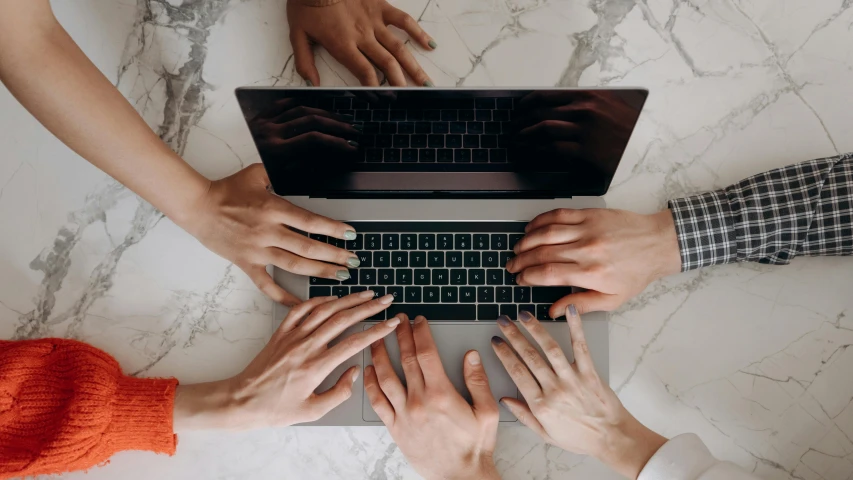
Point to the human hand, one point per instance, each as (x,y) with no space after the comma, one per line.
(567,403)
(355,32)
(239,219)
(441,435)
(614,254)
(278,387)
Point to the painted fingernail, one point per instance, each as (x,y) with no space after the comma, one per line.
(419,319)
(428,83)
(393,322)
(385,300)
(342,274)
(432,43)
(349,235)
(474,358)
(352,143)
(497,340)
(353,262)
(309,83)
(358,127)
(572,311)
(367,294)
(503,321)
(525,316)
(354,376)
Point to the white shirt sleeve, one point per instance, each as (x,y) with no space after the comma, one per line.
(685,457)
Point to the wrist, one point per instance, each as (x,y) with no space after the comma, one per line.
(482,467)
(628,448)
(203,406)
(669,252)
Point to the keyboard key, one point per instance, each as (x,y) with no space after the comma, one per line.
(481,241)
(401,141)
(531,309)
(458,127)
(503,294)
(432,294)
(367,276)
(366,259)
(426,241)
(445,241)
(336,242)
(478,155)
(378,292)
(413,295)
(500,115)
(435,141)
(448,114)
(497,155)
(319,238)
(390,241)
(373,155)
(492,128)
(420,141)
(353,278)
(475,128)
(432,115)
(510,311)
(491,259)
(487,312)
(388,128)
(466,115)
(483,115)
(391,155)
(423,127)
(471,141)
(449,294)
(467,294)
(488,141)
(409,155)
(499,241)
(454,259)
(503,103)
(417,259)
(472,259)
(494,276)
(381,259)
(453,141)
(357,289)
(427,155)
(322,281)
(413,114)
(484,103)
(408,241)
(440,127)
(542,312)
(371,128)
(435,259)
(380,115)
(445,155)
(550,294)
(462,156)
(462,241)
(505,256)
(513,239)
(476,276)
(399,259)
(435,312)
(459,276)
(422,276)
(385,276)
(357,244)
(340,291)
(404,276)
(406,128)
(398,115)
(509,278)
(314,292)
(440,276)
(485,294)
(397,292)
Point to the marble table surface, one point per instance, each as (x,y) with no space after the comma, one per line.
(752,358)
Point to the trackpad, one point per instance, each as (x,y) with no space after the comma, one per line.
(453,341)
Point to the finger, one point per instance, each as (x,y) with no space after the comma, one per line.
(290,262)
(354,61)
(478,386)
(525,416)
(305,247)
(542,255)
(315,123)
(404,21)
(585,302)
(551,130)
(299,312)
(398,49)
(427,353)
(265,283)
(307,221)
(322,403)
(519,373)
(300,111)
(389,382)
(355,343)
(385,61)
(334,326)
(527,352)
(408,356)
(555,355)
(311,143)
(552,234)
(583,361)
(303,58)
(377,398)
(553,274)
(565,216)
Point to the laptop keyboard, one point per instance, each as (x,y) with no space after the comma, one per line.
(449,271)
(440,130)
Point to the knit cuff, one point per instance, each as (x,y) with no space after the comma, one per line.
(142,416)
(705,228)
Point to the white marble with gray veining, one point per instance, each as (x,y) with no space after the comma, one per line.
(752,358)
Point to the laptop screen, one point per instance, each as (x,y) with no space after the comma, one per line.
(475,142)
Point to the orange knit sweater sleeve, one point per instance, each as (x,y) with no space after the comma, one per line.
(65,406)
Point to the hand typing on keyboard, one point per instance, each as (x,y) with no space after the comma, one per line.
(613,253)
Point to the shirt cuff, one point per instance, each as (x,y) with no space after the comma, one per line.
(142,416)
(684,457)
(705,229)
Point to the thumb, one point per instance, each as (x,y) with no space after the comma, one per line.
(323,403)
(585,302)
(478,385)
(303,57)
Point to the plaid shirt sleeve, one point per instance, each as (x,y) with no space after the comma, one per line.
(801,209)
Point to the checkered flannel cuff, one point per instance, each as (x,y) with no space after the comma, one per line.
(705,229)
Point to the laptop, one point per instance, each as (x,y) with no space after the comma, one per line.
(439,184)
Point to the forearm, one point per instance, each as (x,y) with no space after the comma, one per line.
(47,72)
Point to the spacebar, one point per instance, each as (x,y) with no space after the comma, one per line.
(434,311)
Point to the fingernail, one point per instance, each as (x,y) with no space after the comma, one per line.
(358,127)
(572,311)
(504,404)
(432,43)
(385,300)
(353,262)
(497,340)
(354,376)
(393,322)
(368,370)
(474,358)
(349,235)
(503,321)
(309,83)
(419,319)
(428,83)
(342,274)
(352,143)
(525,316)
(367,294)
(375,344)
